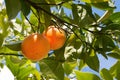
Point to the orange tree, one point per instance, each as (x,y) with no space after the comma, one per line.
(88,35)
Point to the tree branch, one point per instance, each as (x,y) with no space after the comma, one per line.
(10,54)
(29,23)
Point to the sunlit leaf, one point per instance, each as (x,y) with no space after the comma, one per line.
(86,76)
(69,66)
(95,1)
(115,70)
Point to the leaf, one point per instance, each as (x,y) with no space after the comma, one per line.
(59,54)
(92,61)
(115,70)
(12,7)
(16,46)
(25,8)
(104,43)
(115,17)
(52,69)
(104,5)
(111,27)
(26,71)
(75,14)
(114,55)
(3,26)
(44,17)
(69,66)
(14,68)
(95,1)
(5,50)
(33,19)
(81,64)
(86,76)
(105,74)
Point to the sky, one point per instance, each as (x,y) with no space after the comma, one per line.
(104,63)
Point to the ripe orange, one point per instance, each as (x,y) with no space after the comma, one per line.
(35,47)
(56,37)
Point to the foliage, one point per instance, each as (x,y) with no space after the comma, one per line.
(88,35)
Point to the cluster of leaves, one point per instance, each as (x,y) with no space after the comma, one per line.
(88,35)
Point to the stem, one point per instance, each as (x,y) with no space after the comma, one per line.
(29,23)
(9,54)
(105,16)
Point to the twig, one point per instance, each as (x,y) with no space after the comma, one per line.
(105,16)
(56,4)
(29,22)
(10,54)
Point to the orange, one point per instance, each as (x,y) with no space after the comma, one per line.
(35,47)
(56,37)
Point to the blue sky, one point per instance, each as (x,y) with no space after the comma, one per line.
(104,63)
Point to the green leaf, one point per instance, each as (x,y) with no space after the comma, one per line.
(111,27)
(52,69)
(81,64)
(86,76)
(3,26)
(104,43)
(92,61)
(44,17)
(115,17)
(105,74)
(33,19)
(103,5)
(95,1)
(16,46)
(1,41)
(75,14)
(25,8)
(59,54)
(115,70)
(114,55)
(5,50)
(25,72)
(69,66)
(14,68)
(12,7)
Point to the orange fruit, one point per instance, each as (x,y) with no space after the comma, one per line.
(35,47)
(56,37)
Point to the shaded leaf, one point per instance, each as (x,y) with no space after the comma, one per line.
(52,69)
(105,74)
(16,46)
(112,27)
(115,17)
(25,8)
(92,61)
(104,43)
(12,7)
(114,55)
